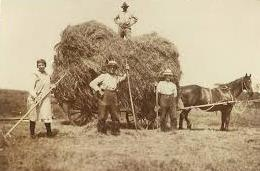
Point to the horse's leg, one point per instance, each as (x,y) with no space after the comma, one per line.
(223,120)
(228,113)
(187,119)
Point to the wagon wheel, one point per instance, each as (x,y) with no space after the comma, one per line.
(128,117)
(79,115)
(130,120)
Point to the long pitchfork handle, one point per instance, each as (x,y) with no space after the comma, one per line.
(131,99)
(30,110)
(157,104)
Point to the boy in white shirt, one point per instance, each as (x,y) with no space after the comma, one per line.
(167,93)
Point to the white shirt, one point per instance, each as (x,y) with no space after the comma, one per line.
(106,82)
(167,88)
(125,18)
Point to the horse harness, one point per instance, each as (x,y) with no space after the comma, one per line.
(243,85)
(220,89)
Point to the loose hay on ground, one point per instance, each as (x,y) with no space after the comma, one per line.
(76,149)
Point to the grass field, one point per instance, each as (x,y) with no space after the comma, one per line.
(12,102)
(81,148)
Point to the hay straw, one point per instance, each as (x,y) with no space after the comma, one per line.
(84,49)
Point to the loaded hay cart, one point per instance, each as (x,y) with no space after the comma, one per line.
(83,52)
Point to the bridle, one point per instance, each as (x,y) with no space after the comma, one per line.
(244,86)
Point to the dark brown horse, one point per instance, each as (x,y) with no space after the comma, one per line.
(193,95)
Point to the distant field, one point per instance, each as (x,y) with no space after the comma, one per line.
(12,102)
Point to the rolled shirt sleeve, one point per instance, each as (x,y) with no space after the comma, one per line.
(159,87)
(121,78)
(116,19)
(94,84)
(106,82)
(133,20)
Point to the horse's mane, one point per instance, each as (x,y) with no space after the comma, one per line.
(230,84)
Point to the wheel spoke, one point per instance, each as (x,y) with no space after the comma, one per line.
(72,112)
(83,120)
(75,113)
(78,117)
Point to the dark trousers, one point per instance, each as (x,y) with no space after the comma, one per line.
(124,32)
(168,108)
(108,104)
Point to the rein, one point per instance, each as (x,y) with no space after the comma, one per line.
(242,87)
(244,107)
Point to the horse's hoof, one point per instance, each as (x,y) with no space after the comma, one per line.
(222,129)
(180,128)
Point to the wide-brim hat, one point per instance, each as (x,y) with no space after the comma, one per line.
(112,63)
(167,72)
(124,5)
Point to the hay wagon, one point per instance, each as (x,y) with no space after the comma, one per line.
(81,115)
(83,50)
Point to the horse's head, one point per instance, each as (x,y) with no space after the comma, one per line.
(247,84)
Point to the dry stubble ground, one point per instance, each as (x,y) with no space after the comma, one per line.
(81,148)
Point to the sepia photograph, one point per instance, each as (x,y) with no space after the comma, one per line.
(129,85)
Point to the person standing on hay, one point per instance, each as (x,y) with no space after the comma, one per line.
(41,85)
(124,20)
(105,87)
(167,93)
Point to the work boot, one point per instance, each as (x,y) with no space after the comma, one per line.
(115,128)
(163,126)
(101,127)
(174,124)
(49,132)
(32,129)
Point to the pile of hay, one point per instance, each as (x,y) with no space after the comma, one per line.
(84,50)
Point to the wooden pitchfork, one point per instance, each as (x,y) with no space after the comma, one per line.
(4,136)
(131,98)
(156,105)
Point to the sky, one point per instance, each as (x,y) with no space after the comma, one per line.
(218,40)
